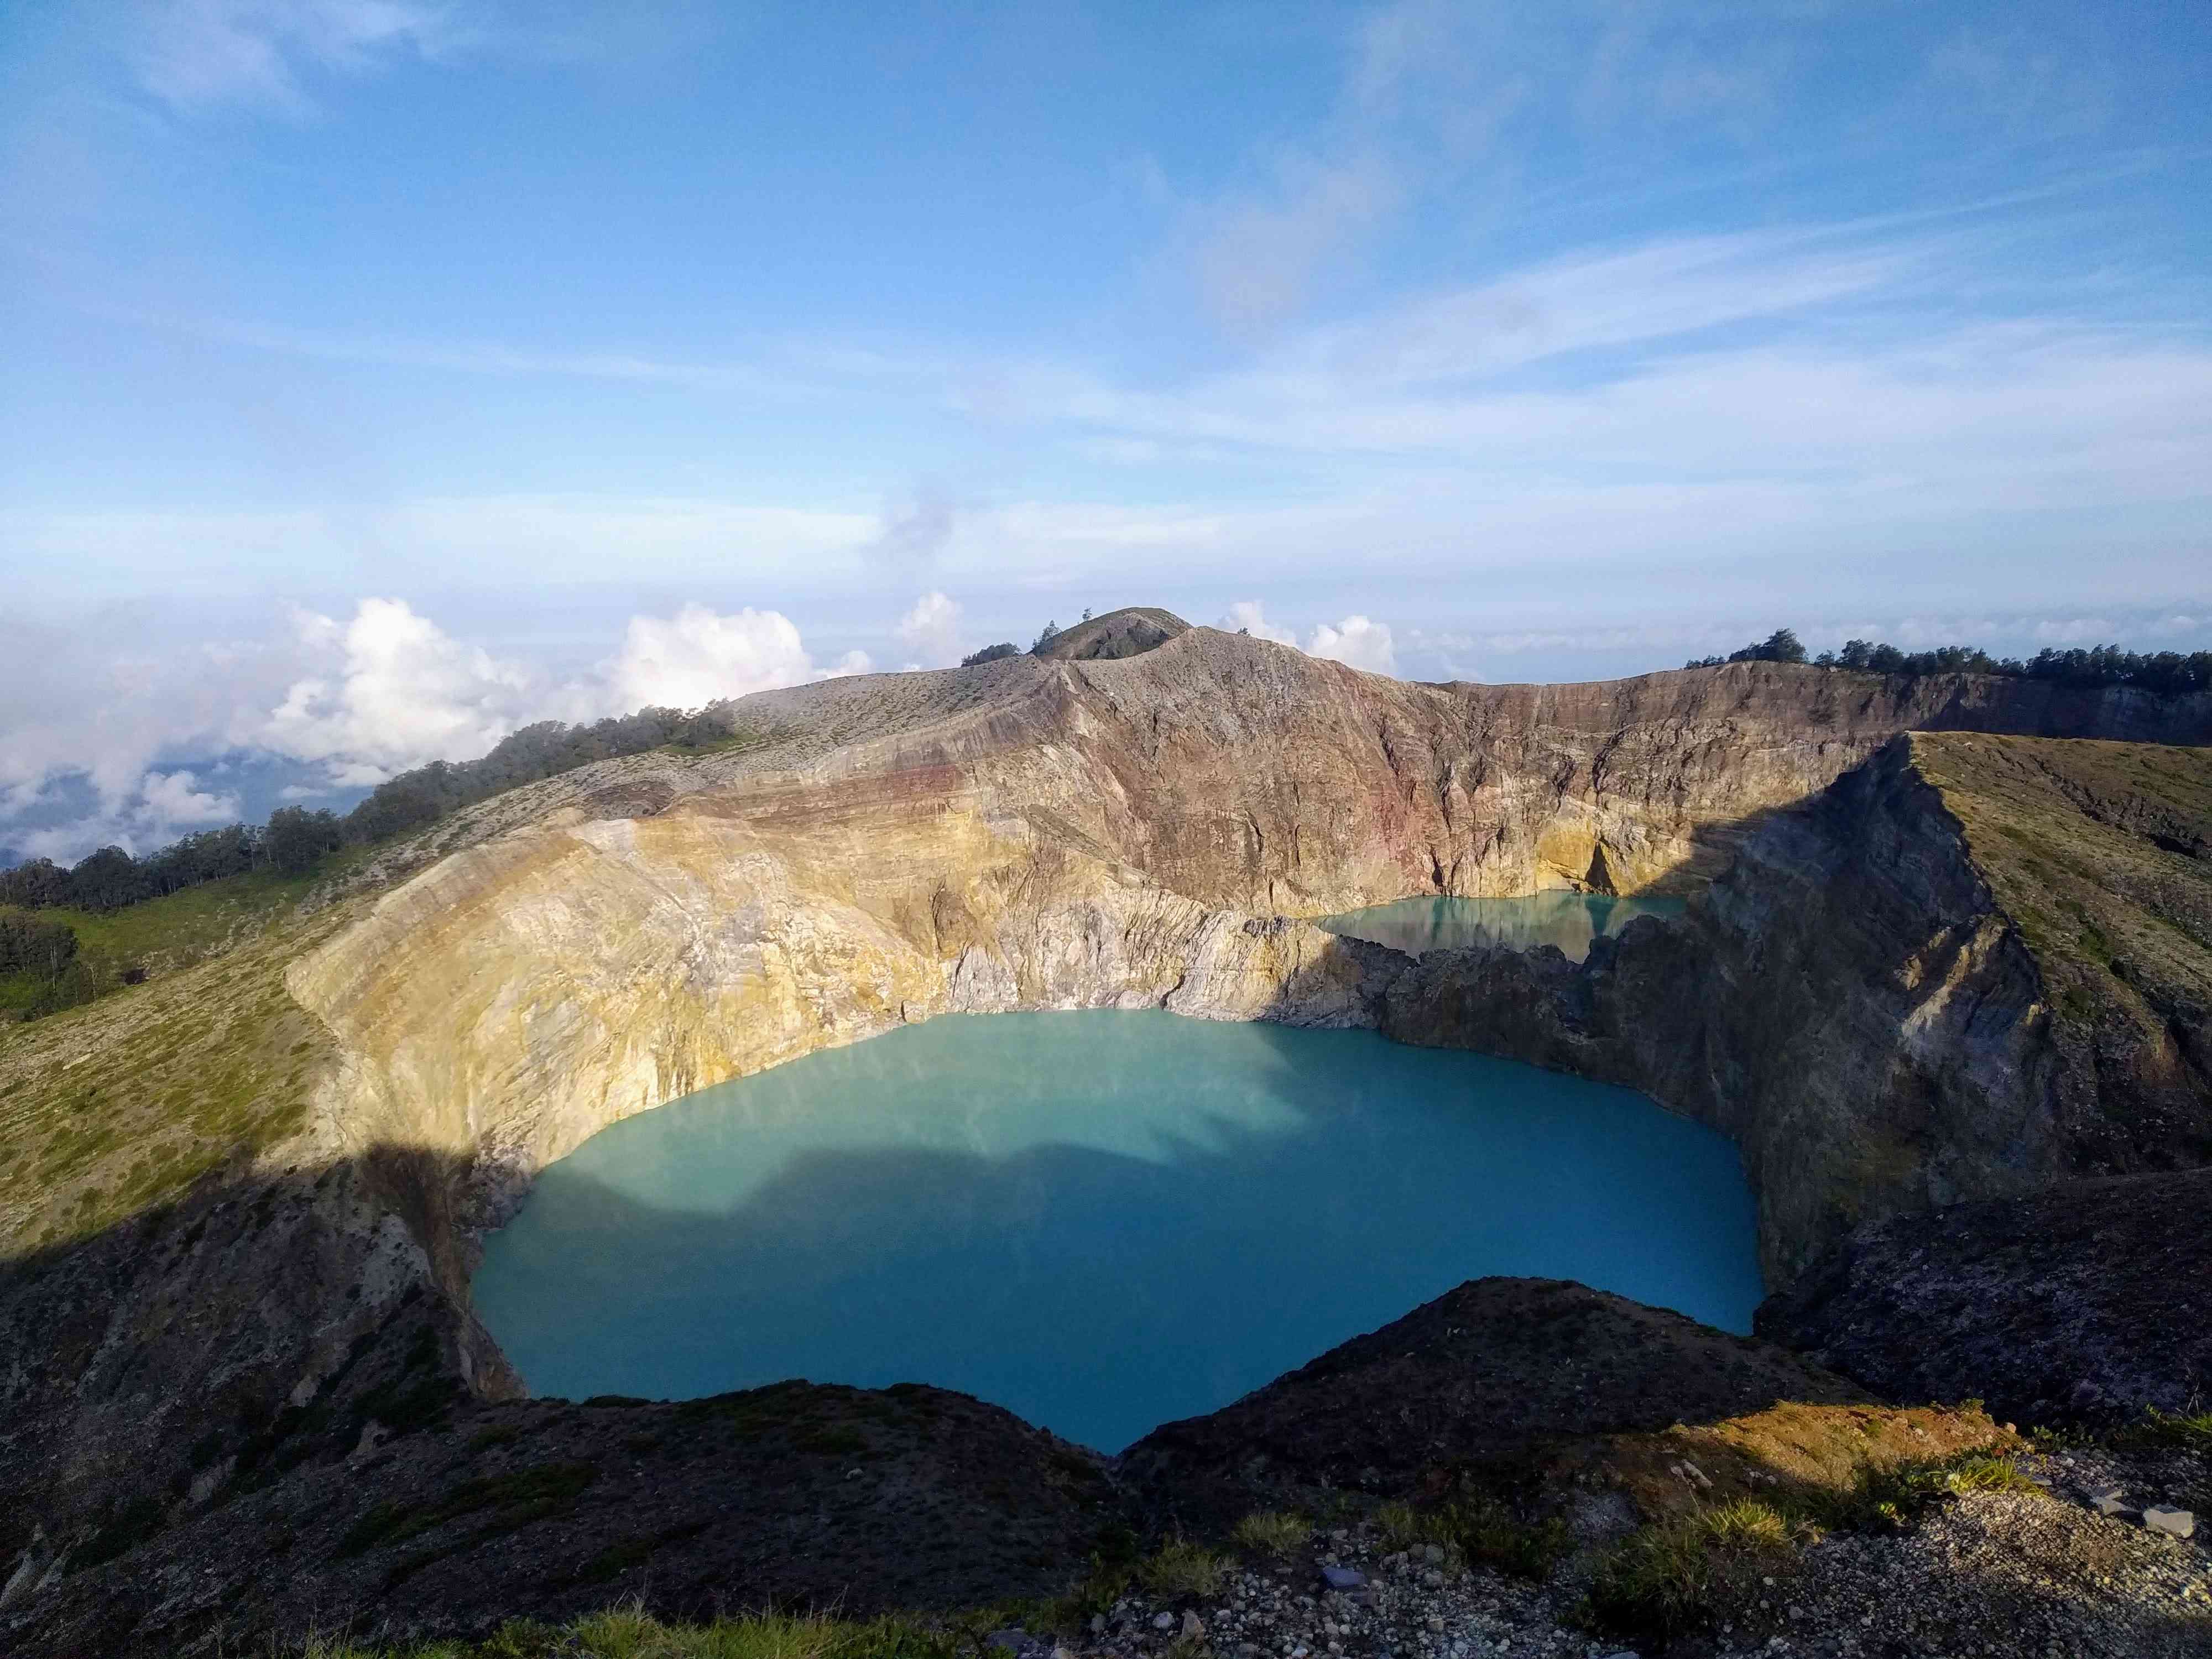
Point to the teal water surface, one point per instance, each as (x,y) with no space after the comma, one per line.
(1568,920)
(1100,1220)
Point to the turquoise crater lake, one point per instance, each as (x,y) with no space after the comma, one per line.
(1101,1220)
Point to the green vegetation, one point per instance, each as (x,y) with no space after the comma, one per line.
(1665,1580)
(1273,1532)
(1672,1576)
(294,841)
(628,1632)
(1180,1568)
(991,653)
(2173,673)
(1402,1526)
(2182,1431)
(1489,1535)
(1482,1530)
(108,1109)
(2096,852)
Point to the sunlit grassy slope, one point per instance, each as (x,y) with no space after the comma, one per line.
(2101,853)
(109,1108)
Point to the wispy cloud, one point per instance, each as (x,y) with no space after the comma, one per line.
(197,55)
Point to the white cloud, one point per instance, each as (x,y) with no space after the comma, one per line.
(697,658)
(176,798)
(1246,616)
(197,54)
(1358,643)
(404,692)
(930,631)
(401,691)
(1356,640)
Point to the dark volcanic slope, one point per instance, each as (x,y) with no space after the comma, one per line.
(859,1500)
(1485,1371)
(2083,1302)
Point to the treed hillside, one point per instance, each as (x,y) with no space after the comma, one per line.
(2169,673)
(294,840)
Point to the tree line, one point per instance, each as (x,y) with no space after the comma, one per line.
(295,840)
(39,970)
(2172,673)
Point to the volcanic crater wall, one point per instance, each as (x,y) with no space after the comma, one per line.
(1845,999)
(1848,1003)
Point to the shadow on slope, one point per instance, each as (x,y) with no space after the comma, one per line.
(305,1448)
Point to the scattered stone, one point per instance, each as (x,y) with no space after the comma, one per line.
(1343,1578)
(2175,1523)
(1193,1627)
(1014,1641)
(1163,1622)
(2112,1503)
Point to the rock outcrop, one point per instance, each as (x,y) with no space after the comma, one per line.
(1853,1006)
(2081,1303)
(1130,633)
(1492,1374)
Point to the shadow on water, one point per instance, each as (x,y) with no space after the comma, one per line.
(1567,921)
(177,1488)
(1096,1274)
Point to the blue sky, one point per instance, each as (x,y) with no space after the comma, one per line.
(384,373)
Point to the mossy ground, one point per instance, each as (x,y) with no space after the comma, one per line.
(107,1109)
(2084,844)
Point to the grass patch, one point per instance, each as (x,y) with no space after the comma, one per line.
(629,1633)
(1273,1532)
(109,1108)
(1402,1527)
(1728,1504)
(1666,1580)
(1180,1568)
(2182,1432)
(1887,1497)
(1489,1535)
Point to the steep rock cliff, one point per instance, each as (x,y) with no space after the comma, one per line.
(1853,1005)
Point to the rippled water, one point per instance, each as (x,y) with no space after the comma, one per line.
(1101,1220)
(1569,921)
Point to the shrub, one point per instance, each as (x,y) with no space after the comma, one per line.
(1489,1534)
(1666,1580)
(1991,1474)
(1402,1527)
(1273,1532)
(1180,1568)
(2185,1432)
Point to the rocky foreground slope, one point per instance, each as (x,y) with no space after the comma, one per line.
(1918,968)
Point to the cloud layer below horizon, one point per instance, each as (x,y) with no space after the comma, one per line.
(348,703)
